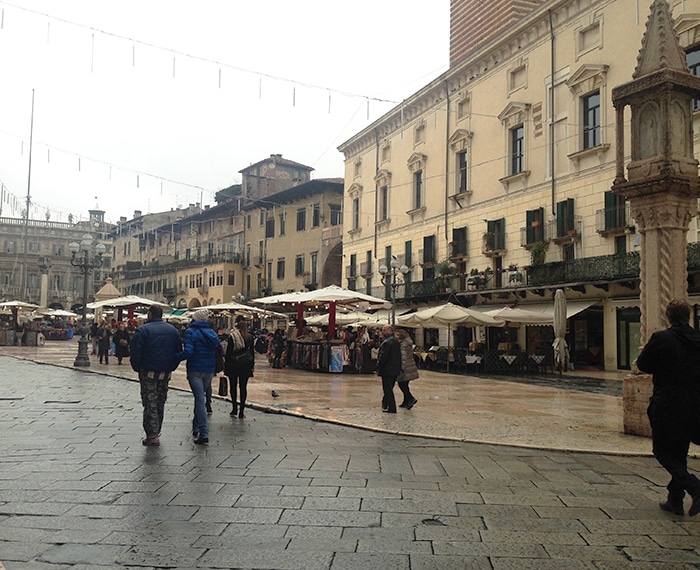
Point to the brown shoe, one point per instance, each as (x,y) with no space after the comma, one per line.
(695,507)
(669,507)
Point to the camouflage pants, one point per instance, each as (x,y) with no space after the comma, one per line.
(154,392)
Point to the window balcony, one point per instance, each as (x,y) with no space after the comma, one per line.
(612,221)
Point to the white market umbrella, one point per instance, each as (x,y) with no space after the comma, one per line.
(18,305)
(126,301)
(448,315)
(331,296)
(561,350)
(521,316)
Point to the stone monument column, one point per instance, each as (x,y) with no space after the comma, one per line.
(662,185)
(44,266)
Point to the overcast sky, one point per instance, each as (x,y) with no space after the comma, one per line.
(153,104)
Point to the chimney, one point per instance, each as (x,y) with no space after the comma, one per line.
(474,22)
(122,219)
(137,213)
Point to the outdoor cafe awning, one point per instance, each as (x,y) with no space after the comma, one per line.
(533,313)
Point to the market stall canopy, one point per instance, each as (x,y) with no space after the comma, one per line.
(448,314)
(247,309)
(21,305)
(59,313)
(127,301)
(330,294)
(355,318)
(534,313)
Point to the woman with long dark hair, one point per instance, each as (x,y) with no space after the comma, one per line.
(240,362)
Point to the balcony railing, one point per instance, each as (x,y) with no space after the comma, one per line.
(612,219)
(602,268)
(420,289)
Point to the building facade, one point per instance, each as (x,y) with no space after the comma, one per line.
(47,252)
(498,173)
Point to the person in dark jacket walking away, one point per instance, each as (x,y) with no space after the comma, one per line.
(389,367)
(240,364)
(200,352)
(409,370)
(154,350)
(672,356)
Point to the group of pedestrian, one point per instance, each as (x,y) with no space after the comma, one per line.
(104,335)
(158,348)
(396,364)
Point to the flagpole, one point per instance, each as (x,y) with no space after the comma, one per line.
(26,209)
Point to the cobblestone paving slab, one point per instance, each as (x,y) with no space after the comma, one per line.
(79,491)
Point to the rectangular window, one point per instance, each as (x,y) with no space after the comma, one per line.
(262,217)
(10,247)
(352,270)
(615,214)
(459,241)
(249,221)
(534,229)
(461,172)
(58,249)
(301,219)
(280,269)
(336,218)
(270,228)
(314,268)
(408,259)
(219,278)
(315,215)
(565,217)
(299,265)
(417,190)
(517,149)
(383,203)
(591,120)
(692,58)
(283,218)
(428,249)
(495,238)
(356,214)
(34,246)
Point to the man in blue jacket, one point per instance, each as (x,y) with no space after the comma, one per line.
(154,351)
(201,342)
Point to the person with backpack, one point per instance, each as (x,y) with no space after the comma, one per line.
(240,363)
(201,343)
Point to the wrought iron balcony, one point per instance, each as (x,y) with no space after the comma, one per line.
(601,268)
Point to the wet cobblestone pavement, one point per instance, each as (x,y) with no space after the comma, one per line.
(272,491)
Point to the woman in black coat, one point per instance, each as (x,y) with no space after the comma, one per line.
(122,339)
(240,363)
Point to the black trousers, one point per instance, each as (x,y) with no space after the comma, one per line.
(670,448)
(407,396)
(388,400)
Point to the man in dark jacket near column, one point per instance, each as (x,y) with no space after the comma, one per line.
(153,355)
(389,367)
(672,356)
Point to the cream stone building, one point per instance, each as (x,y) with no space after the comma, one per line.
(293,239)
(276,231)
(501,168)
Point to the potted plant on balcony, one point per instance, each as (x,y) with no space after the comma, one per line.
(444,272)
(538,253)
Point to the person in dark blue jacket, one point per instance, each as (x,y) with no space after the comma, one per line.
(154,351)
(201,342)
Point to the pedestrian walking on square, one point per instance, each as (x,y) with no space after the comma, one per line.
(409,370)
(105,339)
(201,342)
(672,356)
(389,367)
(122,338)
(240,364)
(154,351)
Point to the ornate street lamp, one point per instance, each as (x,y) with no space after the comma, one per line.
(82,258)
(390,277)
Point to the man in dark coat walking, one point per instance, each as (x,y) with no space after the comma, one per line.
(154,350)
(672,356)
(389,367)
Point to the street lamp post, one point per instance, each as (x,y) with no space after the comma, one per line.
(82,258)
(390,277)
